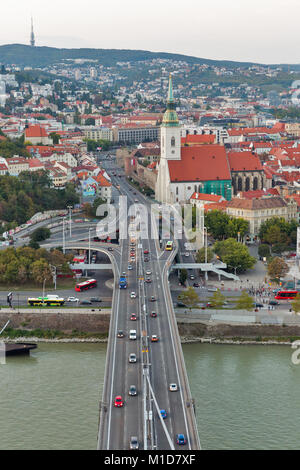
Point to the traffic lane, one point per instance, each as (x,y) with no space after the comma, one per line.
(162,363)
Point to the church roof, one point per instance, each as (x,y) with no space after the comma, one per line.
(244,161)
(203,163)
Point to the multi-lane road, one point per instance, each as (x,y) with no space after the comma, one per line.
(159,363)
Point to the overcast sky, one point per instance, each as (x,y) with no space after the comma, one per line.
(265,31)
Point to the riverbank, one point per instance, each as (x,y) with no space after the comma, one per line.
(93,327)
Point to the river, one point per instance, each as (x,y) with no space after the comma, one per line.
(247,397)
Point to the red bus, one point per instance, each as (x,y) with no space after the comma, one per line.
(286,294)
(79,259)
(86,285)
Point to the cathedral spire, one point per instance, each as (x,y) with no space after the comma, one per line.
(32,38)
(170,117)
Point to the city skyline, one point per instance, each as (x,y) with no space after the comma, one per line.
(263,32)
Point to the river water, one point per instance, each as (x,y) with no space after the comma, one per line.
(247,397)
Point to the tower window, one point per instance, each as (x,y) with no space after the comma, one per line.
(173,142)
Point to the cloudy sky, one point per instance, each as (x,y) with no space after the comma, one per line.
(264,31)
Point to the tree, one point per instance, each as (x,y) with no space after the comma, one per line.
(189,298)
(234,254)
(217,299)
(200,255)
(296,304)
(55,138)
(245,301)
(277,268)
(40,234)
(183,276)
(40,270)
(264,251)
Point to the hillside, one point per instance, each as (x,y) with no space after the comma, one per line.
(23,55)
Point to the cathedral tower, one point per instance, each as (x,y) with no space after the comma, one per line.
(170,135)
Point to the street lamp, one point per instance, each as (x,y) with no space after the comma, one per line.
(70,219)
(64,237)
(44,290)
(205,247)
(90,245)
(234,267)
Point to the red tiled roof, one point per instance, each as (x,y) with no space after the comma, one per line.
(244,161)
(200,163)
(198,139)
(206,197)
(35,131)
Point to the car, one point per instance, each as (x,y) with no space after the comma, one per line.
(95,299)
(129,267)
(152,298)
(72,299)
(196,284)
(136,200)
(180,304)
(180,439)
(154,338)
(186,255)
(257,305)
(146,259)
(133,295)
(173,387)
(133,317)
(153,314)
(146,252)
(273,302)
(132,358)
(192,277)
(134,443)
(148,273)
(163,414)
(85,302)
(148,280)
(132,334)
(212,289)
(132,391)
(110,248)
(120,334)
(118,401)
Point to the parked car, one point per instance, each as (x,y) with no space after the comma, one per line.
(72,299)
(85,302)
(95,299)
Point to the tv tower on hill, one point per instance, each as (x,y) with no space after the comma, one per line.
(32,38)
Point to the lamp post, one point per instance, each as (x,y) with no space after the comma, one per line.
(64,239)
(70,219)
(205,247)
(90,245)
(44,290)
(234,267)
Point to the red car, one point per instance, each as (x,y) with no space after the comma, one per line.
(133,317)
(154,338)
(153,314)
(118,402)
(146,252)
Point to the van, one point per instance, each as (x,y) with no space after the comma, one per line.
(132,334)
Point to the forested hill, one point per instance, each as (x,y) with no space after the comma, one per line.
(23,55)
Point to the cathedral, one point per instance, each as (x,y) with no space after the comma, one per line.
(182,170)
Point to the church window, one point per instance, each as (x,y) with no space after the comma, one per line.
(173,142)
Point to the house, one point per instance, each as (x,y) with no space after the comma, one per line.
(37,134)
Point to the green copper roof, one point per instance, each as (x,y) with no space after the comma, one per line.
(170,117)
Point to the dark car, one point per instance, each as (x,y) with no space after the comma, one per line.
(258,305)
(132,391)
(273,302)
(120,334)
(110,248)
(152,298)
(85,302)
(196,284)
(95,299)
(146,259)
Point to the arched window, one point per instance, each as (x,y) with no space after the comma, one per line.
(255,183)
(173,142)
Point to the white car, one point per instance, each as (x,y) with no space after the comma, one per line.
(132,358)
(173,387)
(148,273)
(186,255)
(72,299)
(133,295)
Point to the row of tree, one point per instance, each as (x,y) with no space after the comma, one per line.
(191,299)
(23,265)
(22,197)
